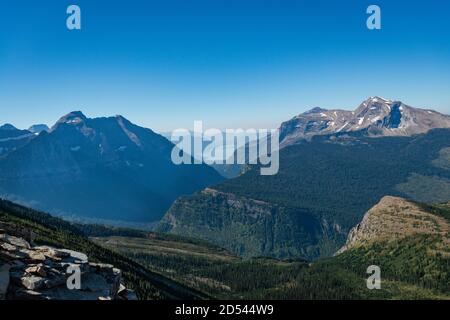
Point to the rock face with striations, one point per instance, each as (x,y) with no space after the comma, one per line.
(245,226)
(374,117)
(63,171)
(29,272)
(395,218)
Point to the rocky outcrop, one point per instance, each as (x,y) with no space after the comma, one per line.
(31,272)
(395,218)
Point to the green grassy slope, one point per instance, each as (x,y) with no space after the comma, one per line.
(408,271)
(166,267)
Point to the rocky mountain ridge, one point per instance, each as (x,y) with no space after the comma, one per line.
(12,138)
(38,128)
(395,218)
(100,168)
(323,189)
(374,117)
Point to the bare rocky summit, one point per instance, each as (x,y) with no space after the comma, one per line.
(375,117)
(395,218)
(30,272)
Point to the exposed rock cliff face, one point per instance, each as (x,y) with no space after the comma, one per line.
(245,226)
(333,183)
(395,218)
(29,272)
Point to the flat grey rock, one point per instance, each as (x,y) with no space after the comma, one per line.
(32,282)
(18,242)
(41,273)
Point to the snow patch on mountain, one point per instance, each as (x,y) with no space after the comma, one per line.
(374,117)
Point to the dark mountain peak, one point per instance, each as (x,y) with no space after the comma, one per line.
(131,165)
(122,121)
(73,117)
(110,132)
(120,117)
(12,138)
(38,128)
(315,110)
(8,127)
(8,132)
(77,114)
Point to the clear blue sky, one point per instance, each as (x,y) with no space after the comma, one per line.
(231,63)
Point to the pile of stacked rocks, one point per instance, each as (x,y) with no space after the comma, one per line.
(45,273)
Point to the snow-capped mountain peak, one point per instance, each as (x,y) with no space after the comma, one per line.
(375,116)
